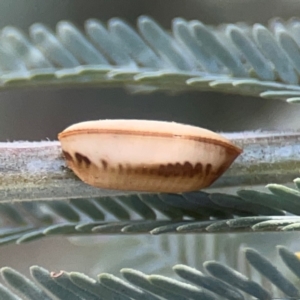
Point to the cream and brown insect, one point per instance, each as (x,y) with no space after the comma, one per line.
(149,156)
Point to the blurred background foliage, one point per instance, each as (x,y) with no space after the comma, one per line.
(41,113)
(36,114)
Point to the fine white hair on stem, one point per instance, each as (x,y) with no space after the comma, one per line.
(32,171)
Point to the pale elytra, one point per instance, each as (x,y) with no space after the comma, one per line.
(148,156)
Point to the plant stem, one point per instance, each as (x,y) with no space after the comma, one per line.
(37,171)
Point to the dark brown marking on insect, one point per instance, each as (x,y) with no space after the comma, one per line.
(67,156)
(169,170)
(82,159)
(208,169)
(104,164)
(165,170)
(222,169)
(141,170)
(138,170)
(153,171)
(121,168)
(177,170)
(187,169)
(144,170)
(161,170)
(198,169)
(128,169)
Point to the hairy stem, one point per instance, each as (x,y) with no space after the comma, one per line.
(36,170)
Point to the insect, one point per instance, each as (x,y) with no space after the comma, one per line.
(148,156)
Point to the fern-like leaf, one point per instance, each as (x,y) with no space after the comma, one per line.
(218,280)
(194,212)
(231,58)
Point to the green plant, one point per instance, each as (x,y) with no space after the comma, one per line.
(232,58)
